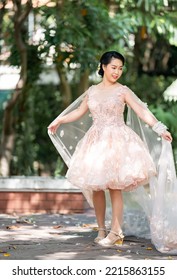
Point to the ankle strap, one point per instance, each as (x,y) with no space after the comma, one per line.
(102,229)
(120,233)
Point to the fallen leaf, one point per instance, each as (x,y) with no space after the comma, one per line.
(95,228)
(59,226)
(170,258)
(6,255)
(12,227)
(119,251)
(13,247)
(85,225)
(149,248)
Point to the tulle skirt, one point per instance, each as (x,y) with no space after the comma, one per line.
(111,157)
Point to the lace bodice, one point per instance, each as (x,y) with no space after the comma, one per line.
(106,106)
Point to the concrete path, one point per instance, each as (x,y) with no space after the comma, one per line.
(65,237)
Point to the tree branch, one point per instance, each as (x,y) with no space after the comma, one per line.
(17,5)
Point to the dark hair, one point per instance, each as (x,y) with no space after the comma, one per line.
(106,59)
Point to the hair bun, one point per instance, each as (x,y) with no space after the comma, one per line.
(100,70)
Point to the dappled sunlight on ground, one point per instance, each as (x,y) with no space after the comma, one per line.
(65,237)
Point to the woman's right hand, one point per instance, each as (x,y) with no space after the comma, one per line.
(167,136)
(54,126)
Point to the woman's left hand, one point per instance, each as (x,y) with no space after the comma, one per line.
(167,136)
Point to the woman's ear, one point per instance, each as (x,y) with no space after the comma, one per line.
(103,66)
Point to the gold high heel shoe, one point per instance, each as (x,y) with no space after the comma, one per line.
(101,236)
(110,240)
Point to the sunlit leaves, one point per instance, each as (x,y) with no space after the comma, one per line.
(158,16)
(86,27)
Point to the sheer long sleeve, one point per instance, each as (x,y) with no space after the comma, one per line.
(75,121)
(140,108)
(73,115)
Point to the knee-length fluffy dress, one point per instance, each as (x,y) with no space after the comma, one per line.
(110,155)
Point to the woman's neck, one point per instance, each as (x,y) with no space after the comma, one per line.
(106,83)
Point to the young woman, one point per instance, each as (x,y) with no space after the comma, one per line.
(109,155)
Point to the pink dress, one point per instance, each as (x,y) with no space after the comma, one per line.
(110,155)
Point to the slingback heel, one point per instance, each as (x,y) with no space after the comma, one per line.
(113,238)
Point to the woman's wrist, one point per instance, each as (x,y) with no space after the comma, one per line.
(159,128)
(59,120)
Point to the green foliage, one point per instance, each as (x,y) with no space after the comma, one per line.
(75,34)
(155,15)
(34,67)
(24,152)
(87,30)
(34,61)
(33,153)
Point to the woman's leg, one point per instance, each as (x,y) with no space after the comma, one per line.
(117,209)
(115,234)
(99,202)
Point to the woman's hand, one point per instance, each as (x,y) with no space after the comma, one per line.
(54,126)
(70,117)
(167,136)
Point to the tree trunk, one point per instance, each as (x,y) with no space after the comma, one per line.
(8,131)
(65,86)
(84,82)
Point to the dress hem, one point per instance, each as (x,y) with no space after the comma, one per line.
(113,186)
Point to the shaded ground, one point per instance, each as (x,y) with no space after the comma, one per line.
(65,237)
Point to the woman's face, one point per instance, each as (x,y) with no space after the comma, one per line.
(113,70)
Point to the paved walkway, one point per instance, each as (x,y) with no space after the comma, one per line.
(65,237)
